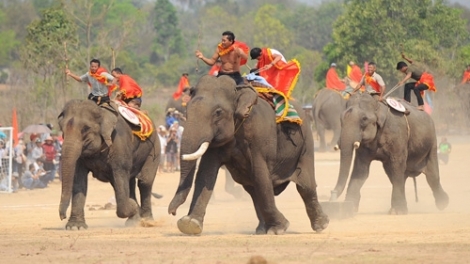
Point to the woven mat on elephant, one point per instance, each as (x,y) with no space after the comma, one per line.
(284,110)
(146,126)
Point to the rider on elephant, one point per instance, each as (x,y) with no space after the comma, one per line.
(466,75)
(100,81)
(424,81)
(232,55)
(332,79)
(373,81)
(129,91)
(272,65)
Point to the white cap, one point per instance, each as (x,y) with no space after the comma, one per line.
(333,65)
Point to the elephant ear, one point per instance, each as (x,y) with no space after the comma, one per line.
(107,125)
(246,98)
(381,113)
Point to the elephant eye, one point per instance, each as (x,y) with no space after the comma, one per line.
(85,129)
(218,112)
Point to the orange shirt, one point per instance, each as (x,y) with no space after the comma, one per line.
(129,88)
(355,75)
(466,77)
(333,81)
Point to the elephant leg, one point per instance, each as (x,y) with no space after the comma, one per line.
(275,222)
(79,192)
(432,177)
(321,135)
(395,170)
(359,175)
(231,187)
(192,224)
(145,184)
(126,207)
(261,228)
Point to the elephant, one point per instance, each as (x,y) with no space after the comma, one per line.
(125,161)
(405,143)
(227,125)
(327,107)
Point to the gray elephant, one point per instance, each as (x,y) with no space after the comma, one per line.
(227,125)
(328,105)
(84,124)
(405,144)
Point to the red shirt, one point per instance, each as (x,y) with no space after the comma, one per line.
(49,152)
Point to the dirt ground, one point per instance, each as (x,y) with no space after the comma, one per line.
(31,231)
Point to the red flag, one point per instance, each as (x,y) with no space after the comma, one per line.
(282,76)
(14,124)
(184,82)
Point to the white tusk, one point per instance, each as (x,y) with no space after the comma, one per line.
(196,155)
(336,147)
(357,144)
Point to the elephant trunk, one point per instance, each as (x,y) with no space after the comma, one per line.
(190,154)
(71,150)
(348,144)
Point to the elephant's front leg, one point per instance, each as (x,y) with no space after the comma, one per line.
(275,222)
(79,192)
(359,175)
(126,207)
(261,228)
(395,170)
(192,224)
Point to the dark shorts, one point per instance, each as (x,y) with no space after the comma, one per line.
(236,76)
(99,99)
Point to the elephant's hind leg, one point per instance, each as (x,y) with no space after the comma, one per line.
(432,177)
(145,183)
(261,228)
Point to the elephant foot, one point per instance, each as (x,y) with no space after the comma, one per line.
(321,223)
(76,223)
(189,226)
(398,211)
(260,229)
(442,200)
(133,221)
(278,229)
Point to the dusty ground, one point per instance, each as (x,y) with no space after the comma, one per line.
(31,231)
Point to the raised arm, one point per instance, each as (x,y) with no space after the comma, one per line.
(207,61)
(76,77)
(405,58)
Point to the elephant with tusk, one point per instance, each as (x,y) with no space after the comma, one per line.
(405,143)
(227,125)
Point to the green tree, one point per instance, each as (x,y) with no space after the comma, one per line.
(43,53)
(375,30)
(169,40)
(271,32)
(7,41)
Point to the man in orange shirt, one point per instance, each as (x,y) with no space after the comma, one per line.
(332,79)
(466,75)
(129,91)
(277,71)
(373,81)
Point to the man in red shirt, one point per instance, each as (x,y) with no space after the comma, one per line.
(50,152)
(129,91)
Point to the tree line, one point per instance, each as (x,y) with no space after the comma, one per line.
(154,41)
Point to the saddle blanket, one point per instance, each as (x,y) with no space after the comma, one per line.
(144,122)
(283,109)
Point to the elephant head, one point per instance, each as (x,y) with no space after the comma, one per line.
(216,109)
(360,122)
(82,123)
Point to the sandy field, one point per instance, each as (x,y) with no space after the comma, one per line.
(31,231)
